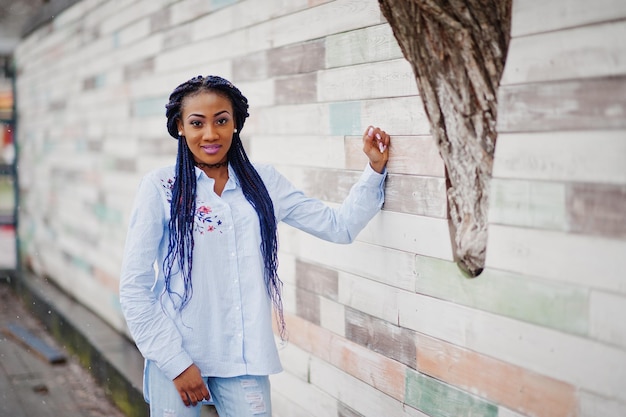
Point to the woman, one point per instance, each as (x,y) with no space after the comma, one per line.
(199,274)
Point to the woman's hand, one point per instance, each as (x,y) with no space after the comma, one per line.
(376,147)
(191,386)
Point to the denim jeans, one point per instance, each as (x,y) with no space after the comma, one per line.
(240,396)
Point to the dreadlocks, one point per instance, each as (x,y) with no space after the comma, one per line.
(183,205)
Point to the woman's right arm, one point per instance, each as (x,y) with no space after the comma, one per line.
(154,332)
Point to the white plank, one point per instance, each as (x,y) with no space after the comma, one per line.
(397,116)
(604,325)
(294,360)
(374,43)
(311,151)
(371,297)
(356,394)
(375,80)
(533,16)
(332,316)
(577,259)
(317,22)
(589,51)
(505,412)
(528,203)
(309,397)
(579,361)
(396,268)
(585,156)
(300,119)
(592,405)
(285,406)
(421,235)
(133,11)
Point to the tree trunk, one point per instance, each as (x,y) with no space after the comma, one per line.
(457,49)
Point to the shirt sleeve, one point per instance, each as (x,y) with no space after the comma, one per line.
(152,329)
(336,224)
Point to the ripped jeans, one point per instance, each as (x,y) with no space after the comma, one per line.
(240,396)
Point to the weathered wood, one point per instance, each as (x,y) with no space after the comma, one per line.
(411,155)
(381,336)
(559,256)
(311,401)
(367,81)
(597,209)
(582,52)
(528,392)
(409,194)
(374,43)
(457,51)
(540,156)
(545,351)
(603,308)
(296,89)
(363,397)
(360,363)
(534,16)
(585,104)
(316,279)
(299,58)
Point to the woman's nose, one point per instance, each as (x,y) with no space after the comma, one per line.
(210,133)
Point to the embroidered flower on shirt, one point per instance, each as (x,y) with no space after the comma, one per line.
(168,185)
(204,220)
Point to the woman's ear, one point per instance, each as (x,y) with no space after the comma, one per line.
(179,125)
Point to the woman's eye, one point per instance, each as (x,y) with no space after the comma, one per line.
(195,123)
(222,121)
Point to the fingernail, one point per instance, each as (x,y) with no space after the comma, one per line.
(370,132)
(381,147)
(384,148)
(378,136)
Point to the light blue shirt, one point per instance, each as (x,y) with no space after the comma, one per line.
(226,328)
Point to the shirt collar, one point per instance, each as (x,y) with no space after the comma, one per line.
(231,175)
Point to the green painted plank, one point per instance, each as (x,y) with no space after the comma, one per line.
(345,118)
(218,4)
(528,203)
(550,304)
(147,107)
(438,399)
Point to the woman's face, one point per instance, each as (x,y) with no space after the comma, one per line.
(207,122)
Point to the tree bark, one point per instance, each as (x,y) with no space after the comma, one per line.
(457,49)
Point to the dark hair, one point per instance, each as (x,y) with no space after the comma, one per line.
(180,248)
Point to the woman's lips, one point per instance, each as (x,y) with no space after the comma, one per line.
(211,149)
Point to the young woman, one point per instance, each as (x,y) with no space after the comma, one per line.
(199,276)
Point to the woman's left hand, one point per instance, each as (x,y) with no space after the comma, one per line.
(376,146)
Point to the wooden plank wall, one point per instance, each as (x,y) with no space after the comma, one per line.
(386,326)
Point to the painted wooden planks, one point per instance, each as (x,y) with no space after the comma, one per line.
(578,53)
(589,261)
(542,156)
(533,16)
(586,104)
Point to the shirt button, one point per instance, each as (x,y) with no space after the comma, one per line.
(232,254)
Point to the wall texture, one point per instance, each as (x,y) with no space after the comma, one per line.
(386,326)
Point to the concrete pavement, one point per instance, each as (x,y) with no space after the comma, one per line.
(31,386)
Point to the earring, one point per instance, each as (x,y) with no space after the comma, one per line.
(180,133)
(235,131)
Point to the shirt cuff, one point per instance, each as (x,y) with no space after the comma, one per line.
(371,177)
(176,365)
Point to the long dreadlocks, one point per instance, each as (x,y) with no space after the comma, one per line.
(183,205)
